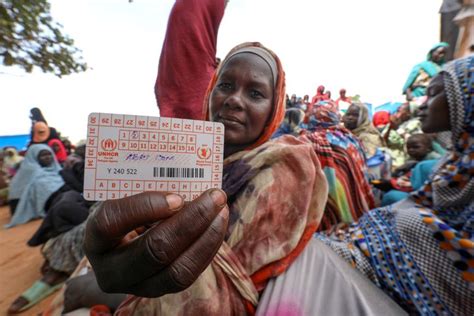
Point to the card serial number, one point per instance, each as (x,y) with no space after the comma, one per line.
(122,171)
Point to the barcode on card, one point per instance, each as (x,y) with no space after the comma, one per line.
(164,172)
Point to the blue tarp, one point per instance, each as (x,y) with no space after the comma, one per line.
(391,107)
(18,141)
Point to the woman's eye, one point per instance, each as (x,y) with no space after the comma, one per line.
(224,85)
(256,94)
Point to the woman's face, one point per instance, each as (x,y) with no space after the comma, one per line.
(242,100)
(434,113)
(45,158)
(55,147)
(351,117)
(438,55)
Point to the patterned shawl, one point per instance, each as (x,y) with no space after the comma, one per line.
(366,132)
(276,194)
(343,161)
(448,196)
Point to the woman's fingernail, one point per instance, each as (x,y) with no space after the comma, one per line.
(174,201)
(224,213)
(218,197)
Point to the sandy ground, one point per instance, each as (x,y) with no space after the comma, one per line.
(19,264)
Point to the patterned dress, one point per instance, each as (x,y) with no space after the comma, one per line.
(420,251)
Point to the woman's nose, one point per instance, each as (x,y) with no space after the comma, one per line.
(234,101)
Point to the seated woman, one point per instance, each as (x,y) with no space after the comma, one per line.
(421,74)
(358,122)
(413,173)
(276,193)
(343,161)
(34,185)
(420,250)
(11,161)
(65,212)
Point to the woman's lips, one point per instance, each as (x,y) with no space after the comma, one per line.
(230,121)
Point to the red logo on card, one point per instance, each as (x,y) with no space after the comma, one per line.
(108,144)
(204,152)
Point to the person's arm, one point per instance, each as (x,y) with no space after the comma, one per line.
(188,57)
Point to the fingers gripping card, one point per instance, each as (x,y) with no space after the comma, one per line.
(128,154)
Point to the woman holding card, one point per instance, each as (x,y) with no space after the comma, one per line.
(235,241)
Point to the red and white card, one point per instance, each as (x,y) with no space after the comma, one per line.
(129,154)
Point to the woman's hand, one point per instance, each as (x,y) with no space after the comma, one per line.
(169,256)
(83,291)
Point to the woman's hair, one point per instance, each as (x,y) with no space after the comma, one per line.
(274,63)
(37,116)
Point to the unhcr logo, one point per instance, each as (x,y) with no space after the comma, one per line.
(108,144)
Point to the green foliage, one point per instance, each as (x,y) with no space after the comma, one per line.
(29,38)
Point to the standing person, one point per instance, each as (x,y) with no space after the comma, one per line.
(421,74)
(343,102)
(358,122)
(327,95)
(196,59)
(319,96)
(41,133)
(465,20)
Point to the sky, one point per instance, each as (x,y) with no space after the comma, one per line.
(367,47)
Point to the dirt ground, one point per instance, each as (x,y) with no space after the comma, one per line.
(19,263)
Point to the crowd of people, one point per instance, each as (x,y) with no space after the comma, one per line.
(325,208)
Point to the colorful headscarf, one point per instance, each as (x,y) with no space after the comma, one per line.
(278,88)
(325,114)
(33,185)
(452,185)
(381,118)
(366,131)
(435,47)
(448,196)
(61,155)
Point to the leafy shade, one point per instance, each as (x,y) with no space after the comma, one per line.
(29,38)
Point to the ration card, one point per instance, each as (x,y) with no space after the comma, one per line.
(129,154)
